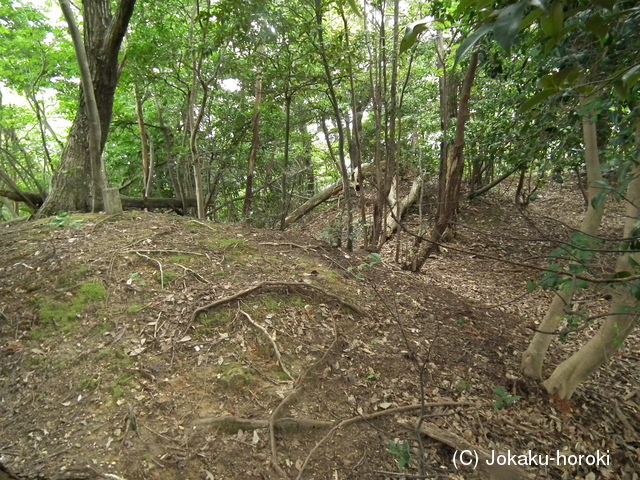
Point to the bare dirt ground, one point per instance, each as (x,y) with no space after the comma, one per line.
(157,347)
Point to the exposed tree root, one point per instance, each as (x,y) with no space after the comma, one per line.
(273,343)
(295,285)
(298,387)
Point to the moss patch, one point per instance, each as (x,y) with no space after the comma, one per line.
(234,375)
(61,314)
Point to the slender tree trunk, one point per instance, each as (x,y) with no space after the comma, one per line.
(622,318)
(338,119)
(391,165)
(453,173)
(378,65)
(144,142)
(103,34)
(287,138)
(533,357)
(355,150)
(255,141)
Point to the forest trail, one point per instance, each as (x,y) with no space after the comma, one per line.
(136,347)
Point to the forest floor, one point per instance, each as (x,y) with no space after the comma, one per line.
(153,347)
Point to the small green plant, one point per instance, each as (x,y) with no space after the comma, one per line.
(332,235)
(375,258)
(136,279)
(63,219)
(505,400)
(402,452)
(371,377)
(463,385)
(135,308)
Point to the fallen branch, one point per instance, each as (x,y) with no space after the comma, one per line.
(273,343)
(371,416)
(247,291)
(234,423)
(493,471)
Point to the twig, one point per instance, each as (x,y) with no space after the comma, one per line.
(289,244)
(203,224)
(273,343)
(159,265)
(195,274)
(159,250)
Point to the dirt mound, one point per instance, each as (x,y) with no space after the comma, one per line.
(157,347)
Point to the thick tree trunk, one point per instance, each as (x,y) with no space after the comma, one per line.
(533,357)
(103,34)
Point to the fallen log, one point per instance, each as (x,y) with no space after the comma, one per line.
(127,202)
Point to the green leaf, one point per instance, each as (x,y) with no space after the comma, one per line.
(557,19)
(471,40)
(576,269)
(623,274)
(354,7)
(508,24)
(599,200)
(535,100)
(411,33)
(531,286)
(598,26)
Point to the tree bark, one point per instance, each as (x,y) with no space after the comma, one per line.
(38,199)
(103,34)
(144,143)
(622,318)
(452,175)
(398,208)
(533,357)
(338,119)
(255,140)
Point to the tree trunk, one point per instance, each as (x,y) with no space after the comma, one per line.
(486,188)
(286,198)
(453,174)
(397,209)
(533,357)
(103,34)
(144,143)
(338,119)
(255,141)
(622,318)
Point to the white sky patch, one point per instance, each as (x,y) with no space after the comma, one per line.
(231,85)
